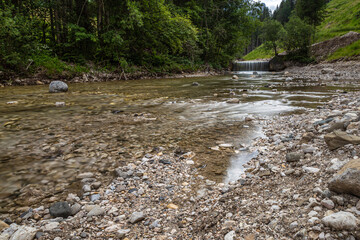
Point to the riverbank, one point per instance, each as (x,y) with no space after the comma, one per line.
(94,76)
(161,195)
(327,71)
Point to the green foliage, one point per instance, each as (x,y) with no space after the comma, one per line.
(282,13)
(298,36)
(272,33)
(17,40)
(349,51)
(342,16)
(311,11)
(260,52)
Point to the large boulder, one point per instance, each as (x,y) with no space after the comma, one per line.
(340,221)
(276,64)
(58,86)
(347,180)
(338,139)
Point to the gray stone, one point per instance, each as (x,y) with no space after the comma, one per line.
(311,169)
(96,211)
(75,209)
(328,203)
(340,221)
(233,100)
(293,157)
(230,235)
(122,233)
(58,86)
(347,180)
(24,233)
(86,188)
(327,71)
(136,217)
(51,226)
(94,197)
(60,209)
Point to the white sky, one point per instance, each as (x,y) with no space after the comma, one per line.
(271,3)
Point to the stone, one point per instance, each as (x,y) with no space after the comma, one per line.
(195,84)
(336,165)
(24,233)
(233,100)
(327,71)
(51,226)
(172,206)
(339,138)
(86,188)
(230,235)
(122,232)
(235,77)
(328,203)
(347,180)
(336,126)
(293,157)
(58,86)
(3,225)
(340,221)
(96,211)
(136,217)
(94,197)
(75,209)
(310,169)
(60,209)
(85,175)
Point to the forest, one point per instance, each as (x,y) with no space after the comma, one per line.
(172,36)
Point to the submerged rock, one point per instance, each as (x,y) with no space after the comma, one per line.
(58,86)
(347,180)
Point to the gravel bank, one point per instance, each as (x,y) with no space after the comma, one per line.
(284,193)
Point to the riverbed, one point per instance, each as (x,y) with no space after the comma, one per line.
(46,140)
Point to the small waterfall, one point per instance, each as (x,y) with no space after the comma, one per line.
(250,66)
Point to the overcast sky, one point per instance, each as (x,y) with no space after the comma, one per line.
(271,3)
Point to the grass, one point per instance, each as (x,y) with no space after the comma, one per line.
(342,16)
(345,52)
(259,53)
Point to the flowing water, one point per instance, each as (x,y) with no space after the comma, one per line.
(105,125)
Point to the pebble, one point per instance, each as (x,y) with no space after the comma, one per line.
(60,209)
(136,217)
(96,211)
(328,203)
(230,235)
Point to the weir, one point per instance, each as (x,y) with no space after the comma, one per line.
(247,66)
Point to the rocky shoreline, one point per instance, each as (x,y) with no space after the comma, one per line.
(283,194)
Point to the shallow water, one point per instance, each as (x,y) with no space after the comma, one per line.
(104,125)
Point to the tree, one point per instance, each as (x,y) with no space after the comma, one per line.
(298,36)
(311,11)
(282,13)
(272,33)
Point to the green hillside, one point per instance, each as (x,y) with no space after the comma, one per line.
(342,16)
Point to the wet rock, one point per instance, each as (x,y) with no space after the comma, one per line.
(293,157)
(339,138)
(136,217)
(58,86)
(235,77)
(60,209)
(340,221)
(347,180)
(96,211)
(24,233)
(195,84)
